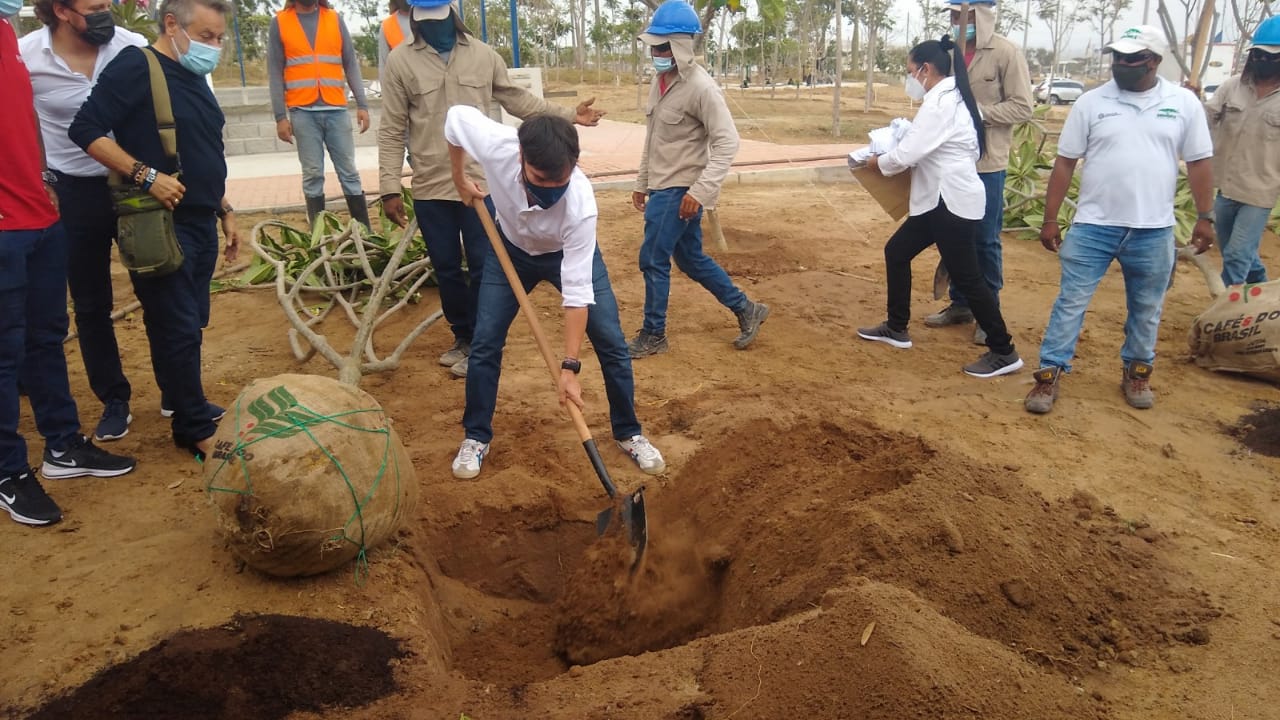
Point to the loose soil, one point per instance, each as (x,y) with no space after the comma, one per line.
(1260,431)
(845,530)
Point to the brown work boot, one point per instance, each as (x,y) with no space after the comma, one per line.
(1040,399)
(1136,385)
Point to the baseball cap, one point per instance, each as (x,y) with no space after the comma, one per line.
(430,9)
(1137,39)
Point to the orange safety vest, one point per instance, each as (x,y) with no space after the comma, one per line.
(312,74)
(392,32)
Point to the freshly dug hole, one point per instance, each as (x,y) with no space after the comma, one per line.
(306,474)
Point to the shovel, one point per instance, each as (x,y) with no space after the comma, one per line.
(629,507)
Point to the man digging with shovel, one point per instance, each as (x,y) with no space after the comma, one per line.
(546,214)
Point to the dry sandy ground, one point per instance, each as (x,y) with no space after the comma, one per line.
(1096,562)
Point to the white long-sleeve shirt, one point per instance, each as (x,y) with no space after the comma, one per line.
(568,225)
(942,147)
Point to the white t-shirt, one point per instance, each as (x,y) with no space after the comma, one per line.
(1131,144)
(568,225)
(942,147)
(59,93)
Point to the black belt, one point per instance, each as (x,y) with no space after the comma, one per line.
(80,180)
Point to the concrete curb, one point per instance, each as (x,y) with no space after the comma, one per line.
(834,173)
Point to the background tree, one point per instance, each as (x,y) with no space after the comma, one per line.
(1060,17)
(1103,16)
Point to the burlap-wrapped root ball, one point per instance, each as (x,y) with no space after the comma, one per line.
(306,474)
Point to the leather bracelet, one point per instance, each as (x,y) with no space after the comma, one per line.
(137,172)
(150,179)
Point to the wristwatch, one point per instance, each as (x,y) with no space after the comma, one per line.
(573,364)
(49,177)
(1206,216)
(221,212)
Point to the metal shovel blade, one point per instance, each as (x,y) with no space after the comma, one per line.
(634,523)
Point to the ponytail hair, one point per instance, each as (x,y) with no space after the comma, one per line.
(935,53)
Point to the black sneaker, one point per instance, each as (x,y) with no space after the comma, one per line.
(83,458)
(883,333)
(218,411)
(646,344)
(993,364)
(26,501)
(750,319)
(949,315)
(115,421)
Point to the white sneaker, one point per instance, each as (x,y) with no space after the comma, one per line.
(644,453)
(470,456)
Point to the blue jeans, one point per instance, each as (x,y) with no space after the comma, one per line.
(175,309)
(498,308)
(986,241)
(91,230)
(1146,258)
(1240,228)
(441,221)
(33,323)
(666,236)
(313,130)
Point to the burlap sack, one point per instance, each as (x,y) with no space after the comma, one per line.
(306,474)
(1240,332)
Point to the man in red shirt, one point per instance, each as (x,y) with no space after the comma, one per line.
(33,312)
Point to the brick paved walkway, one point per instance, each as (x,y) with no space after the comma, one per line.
(610,152)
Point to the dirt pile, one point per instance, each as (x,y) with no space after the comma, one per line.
(263,667)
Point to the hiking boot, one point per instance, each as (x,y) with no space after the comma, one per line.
(1040,399)
(26,501)
(470,457)
(979,336)
(993,364)
(218,411)
(644,453)
(646,343)
(750,319)
(460,351)
(1136,384)
(883,333)
(115,421)
(949,315)
(459,369)
(82,458)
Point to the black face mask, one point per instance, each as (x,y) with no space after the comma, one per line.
(1263,66)
(543,196)
(439,34)
(1129,77)
(100,27)
(307,3)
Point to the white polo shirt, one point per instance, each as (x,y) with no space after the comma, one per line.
(1131,144)
(568,225)
(942,147)
(59,93)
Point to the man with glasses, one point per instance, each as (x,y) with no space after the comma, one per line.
(1131,131)
(1244,117)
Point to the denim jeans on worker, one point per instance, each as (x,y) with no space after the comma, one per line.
(666,236)
(498,308)
(986,241)
(33,324)
(313,131)
(1146,258)
(91,230)
(1240,229)
(175,309)
(441,222)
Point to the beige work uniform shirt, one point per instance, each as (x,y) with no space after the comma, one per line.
(690,139)
(1246,143)
(1001,84)
(418,89)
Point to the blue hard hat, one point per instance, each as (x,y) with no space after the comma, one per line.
(1265,37)
(429,3)
(674,17)
(955,4)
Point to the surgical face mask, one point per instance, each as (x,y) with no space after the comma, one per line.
(199,58)
(970,31)
(10,7)
(915,88)
(439,34)
(663,64)
(544,197)
(1129,77)
(100,27)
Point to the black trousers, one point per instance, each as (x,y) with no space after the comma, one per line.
(954,237)
(90,221)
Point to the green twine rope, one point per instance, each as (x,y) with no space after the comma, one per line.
(300,419)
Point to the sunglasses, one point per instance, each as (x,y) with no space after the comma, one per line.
(1257,55)
(1131,59)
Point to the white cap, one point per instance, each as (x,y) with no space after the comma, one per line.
(439,12)
(1137,39)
